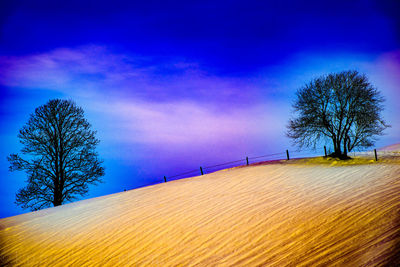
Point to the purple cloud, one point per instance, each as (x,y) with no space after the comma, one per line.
(178,104)
(172,104)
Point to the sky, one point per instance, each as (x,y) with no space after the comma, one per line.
(173,85)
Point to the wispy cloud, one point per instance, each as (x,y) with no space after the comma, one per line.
(134,100)
(188,122)
(95,69)
(165,103)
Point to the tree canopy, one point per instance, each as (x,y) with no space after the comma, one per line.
(59,156)
(343,108)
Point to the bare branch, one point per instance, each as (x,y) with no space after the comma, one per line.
(341,107)
(59,156)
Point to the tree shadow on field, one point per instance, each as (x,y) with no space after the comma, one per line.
(4,259)
(392,258)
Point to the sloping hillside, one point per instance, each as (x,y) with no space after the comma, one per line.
(287,213)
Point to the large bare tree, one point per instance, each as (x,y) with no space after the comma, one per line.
(59,156)
(341,107)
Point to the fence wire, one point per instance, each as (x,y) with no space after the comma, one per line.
(189,172)
(226,163)
(272,156)
(268,157)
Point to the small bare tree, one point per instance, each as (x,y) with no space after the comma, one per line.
(341,107)
(60,156)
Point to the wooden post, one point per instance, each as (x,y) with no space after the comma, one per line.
(376,156)
(287,154)
(165,179)
(201,170)
(325,151)
(247,160)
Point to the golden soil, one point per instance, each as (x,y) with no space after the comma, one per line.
(308,212)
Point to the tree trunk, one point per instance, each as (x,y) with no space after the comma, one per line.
(345,148)
(335,147)
(57,201)
(339,153)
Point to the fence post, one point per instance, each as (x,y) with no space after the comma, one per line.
(376,156)
(287,154)
(325,151)
(247,160)
(165,179)
(201,170)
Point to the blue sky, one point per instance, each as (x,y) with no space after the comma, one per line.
(172,86)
